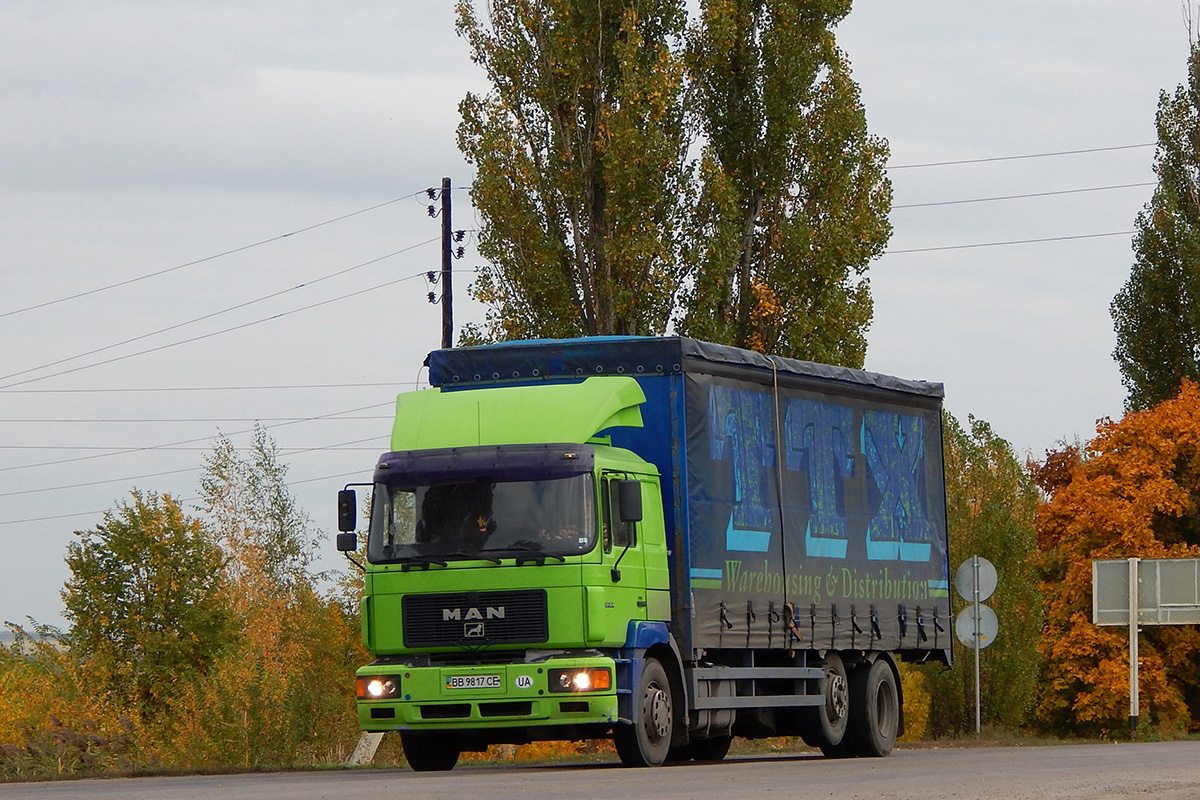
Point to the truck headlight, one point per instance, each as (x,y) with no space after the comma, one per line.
(580,679)
(378,687)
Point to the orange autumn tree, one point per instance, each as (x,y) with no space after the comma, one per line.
(1134,490)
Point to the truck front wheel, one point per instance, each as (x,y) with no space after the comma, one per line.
(646,742)
(874,709)
(430,752)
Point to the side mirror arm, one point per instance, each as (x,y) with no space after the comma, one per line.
(616,573)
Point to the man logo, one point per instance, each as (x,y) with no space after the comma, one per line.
(473,630)
(455,614)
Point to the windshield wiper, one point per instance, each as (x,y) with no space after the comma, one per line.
(441,559)
(461,556)
(528,555)
(422,562)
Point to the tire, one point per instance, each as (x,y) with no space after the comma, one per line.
(678,755)
(647,741)
(430,752)
(825,725)
(874,709)
(714,749)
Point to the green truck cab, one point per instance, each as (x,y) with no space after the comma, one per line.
(539,569)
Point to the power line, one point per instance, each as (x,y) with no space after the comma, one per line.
(212,334)
(150,389)
(76,514)
(356,474)
(340,447)
(213,314)
(166,445)
(175,420)
(213,257)
(1027,195)
(1004,244)
(55,517)
(1027,155)
(101,483)
(158,449)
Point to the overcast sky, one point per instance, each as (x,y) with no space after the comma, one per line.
(139,138)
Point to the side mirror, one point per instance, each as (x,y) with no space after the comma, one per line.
(629,500)
(347,542)
(347,513)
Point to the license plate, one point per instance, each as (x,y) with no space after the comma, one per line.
(473,682)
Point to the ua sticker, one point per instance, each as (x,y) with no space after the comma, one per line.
(524,682)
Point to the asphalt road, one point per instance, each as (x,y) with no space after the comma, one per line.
(1162,771)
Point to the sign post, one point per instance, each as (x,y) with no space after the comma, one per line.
(976,625)
(1133,644)
(1144,591)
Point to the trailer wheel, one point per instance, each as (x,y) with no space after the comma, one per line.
(430,752)
(825,725)
(874,709)
(647,741)
(714,749)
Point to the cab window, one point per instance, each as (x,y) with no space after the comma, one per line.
(616,532)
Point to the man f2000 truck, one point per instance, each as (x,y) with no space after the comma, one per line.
(655,540)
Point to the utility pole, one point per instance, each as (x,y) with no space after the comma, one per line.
(447,260)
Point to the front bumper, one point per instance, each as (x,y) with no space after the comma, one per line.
(488,697)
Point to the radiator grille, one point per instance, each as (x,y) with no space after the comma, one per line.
(475,618)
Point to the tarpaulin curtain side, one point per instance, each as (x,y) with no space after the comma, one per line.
(816,520)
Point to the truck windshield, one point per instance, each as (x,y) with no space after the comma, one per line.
(482,519)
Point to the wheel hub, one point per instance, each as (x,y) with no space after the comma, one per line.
(658,717)
(837,697)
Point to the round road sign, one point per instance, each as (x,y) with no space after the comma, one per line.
(964,579)
(964,626)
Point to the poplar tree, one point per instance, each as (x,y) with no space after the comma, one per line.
(253,514)
(291,711)
(1157,312)
(596,220)
(579,150)
(794,200)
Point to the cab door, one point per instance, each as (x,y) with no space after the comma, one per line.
(617,594)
